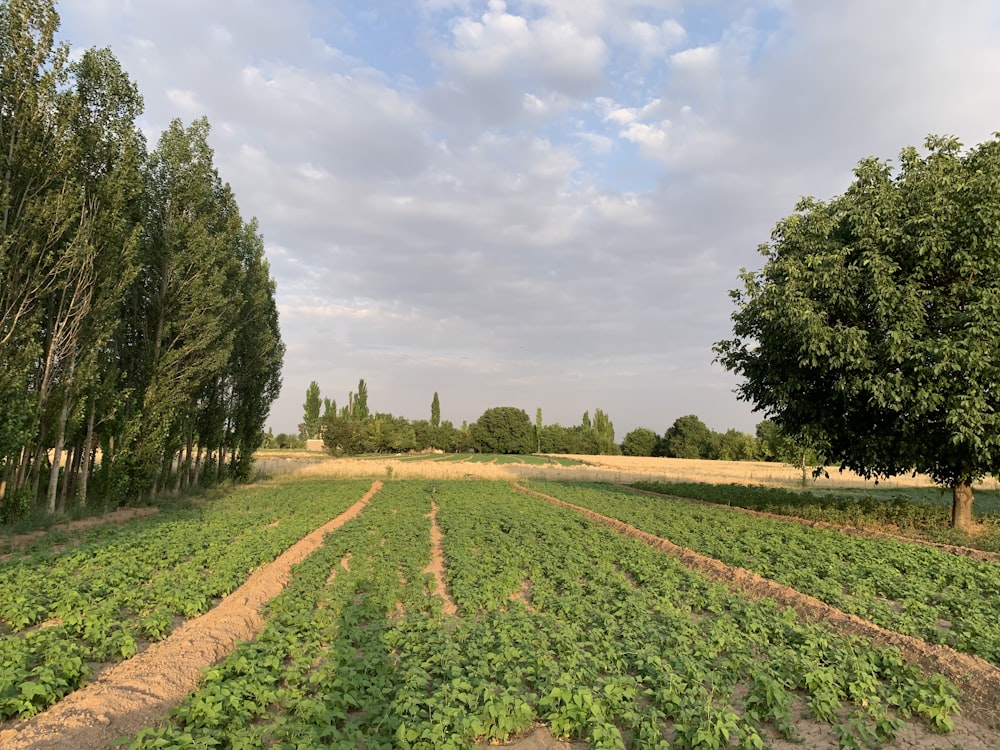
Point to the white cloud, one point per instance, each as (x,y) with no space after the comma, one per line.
(652,42)
(184,100)
(513,203)
(600,144)
(553,52)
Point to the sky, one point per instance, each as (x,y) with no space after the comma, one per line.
(538,203)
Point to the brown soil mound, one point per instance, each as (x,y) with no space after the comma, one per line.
(436,566)
(137,692)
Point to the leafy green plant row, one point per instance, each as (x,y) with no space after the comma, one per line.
(909,588)
(560,620)
(628,648)
(922,519)
(60,611)
(320,674)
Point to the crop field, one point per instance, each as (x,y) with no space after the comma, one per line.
(456,613)
(70,602)
(907,588)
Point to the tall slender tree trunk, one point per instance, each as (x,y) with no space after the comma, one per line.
(961,505)
(188,467)
(197,466)
(72,476)
(88,452)
(35,470)
(22,468)
(57,452)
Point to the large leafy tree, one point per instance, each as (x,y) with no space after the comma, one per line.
(359,402)
(257,355)
(42,229)
(873,328)
(688,437)
(604,432)
(504,429)
(181,319)
(640,442)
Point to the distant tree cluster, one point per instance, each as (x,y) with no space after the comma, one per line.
(139,341)
(354,429)
(509,430)
(501,429)
(689,437)
(591,437)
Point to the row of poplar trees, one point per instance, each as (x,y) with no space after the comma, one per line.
(139,341)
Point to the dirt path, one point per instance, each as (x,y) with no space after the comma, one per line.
(436,566)
(137,692)
(978,680)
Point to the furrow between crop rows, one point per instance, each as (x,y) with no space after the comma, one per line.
(437,567)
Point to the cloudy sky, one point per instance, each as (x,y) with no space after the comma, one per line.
(538,203)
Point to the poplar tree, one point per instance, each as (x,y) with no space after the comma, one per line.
(359,411)
(310,411)
(41,215)
(435,411)
(181,316)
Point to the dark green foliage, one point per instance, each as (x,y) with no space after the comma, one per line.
(310,412)
(359,403)
(640,442)
(733,445)
(435,411)
(873,329)
(688,437)
(503,429)
(342,435)
(137,311)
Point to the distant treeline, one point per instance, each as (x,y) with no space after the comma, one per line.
(353,429)
(689,437)
(139,341)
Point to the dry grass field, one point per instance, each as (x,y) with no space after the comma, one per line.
(592,468)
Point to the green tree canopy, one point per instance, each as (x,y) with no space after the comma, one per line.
(640,442)
(688,437)
(604,433)
(311,411)
(504,429)
(874,325)
(359,409)
(435,411)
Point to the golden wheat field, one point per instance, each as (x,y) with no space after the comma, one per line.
(591,468)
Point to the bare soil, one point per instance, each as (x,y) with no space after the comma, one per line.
(437,567)
(978,680)
(136,693)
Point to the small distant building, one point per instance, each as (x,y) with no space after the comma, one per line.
(315,444)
